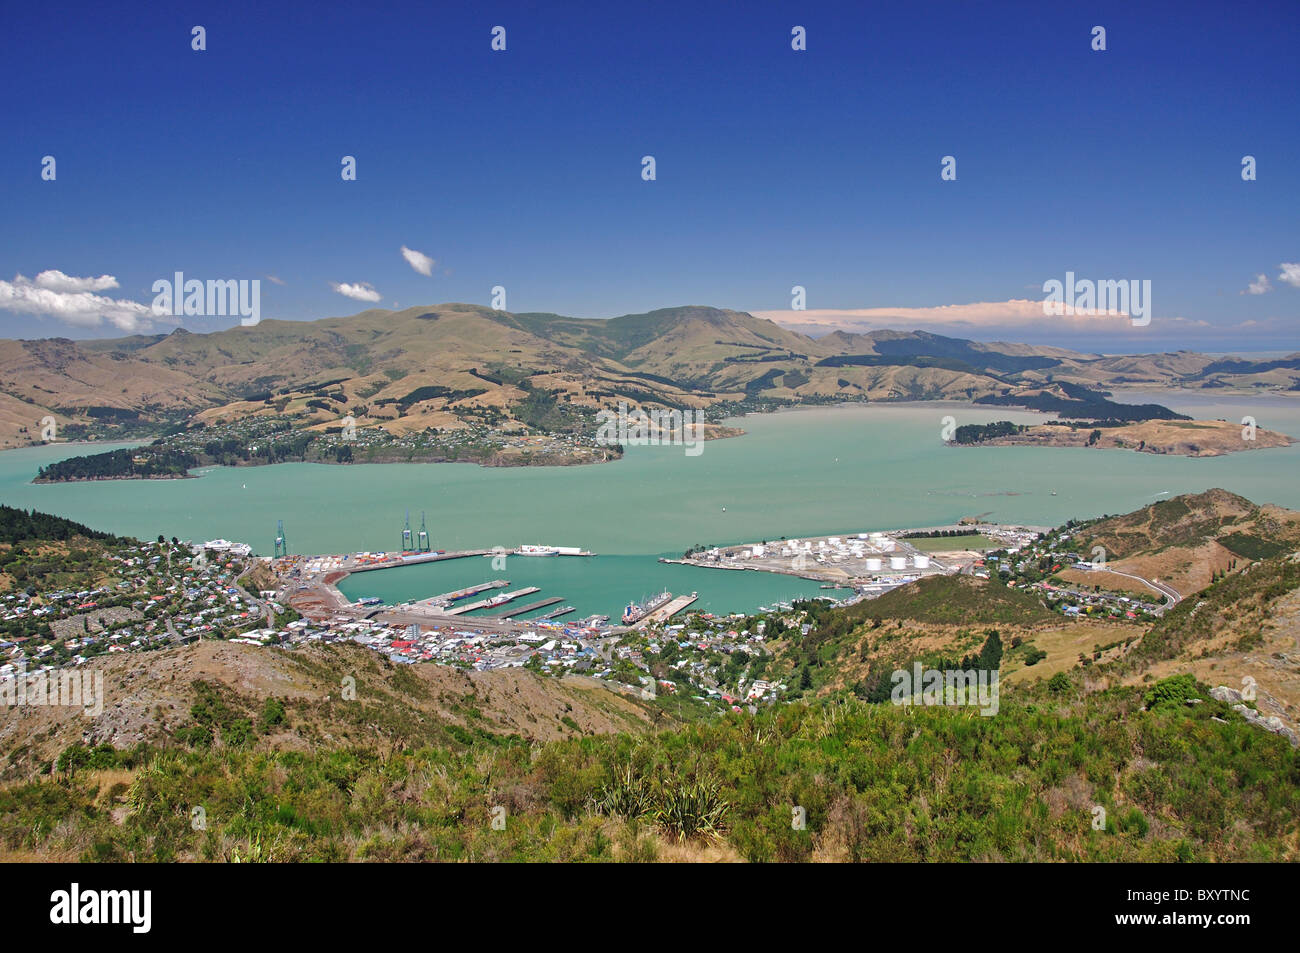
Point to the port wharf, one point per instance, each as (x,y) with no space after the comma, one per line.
(870,561)
(310,585)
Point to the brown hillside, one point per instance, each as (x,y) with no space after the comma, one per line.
(148,697)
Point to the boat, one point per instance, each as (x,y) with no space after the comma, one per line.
(474,590)
(370,601)
(636,612)
(498,600)
(538,550)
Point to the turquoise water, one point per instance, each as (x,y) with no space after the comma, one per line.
(798,473)
(598,584)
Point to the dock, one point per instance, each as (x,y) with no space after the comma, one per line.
(556,613)
(509,613)
(463,593)
(666,612)
(410,559)
(484,603)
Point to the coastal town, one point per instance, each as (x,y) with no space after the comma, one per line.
(168,593)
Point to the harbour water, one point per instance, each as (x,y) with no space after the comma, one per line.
(797,473)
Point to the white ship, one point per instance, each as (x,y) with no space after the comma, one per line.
(532,549)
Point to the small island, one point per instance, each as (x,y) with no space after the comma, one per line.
(265,441)
(1185,438)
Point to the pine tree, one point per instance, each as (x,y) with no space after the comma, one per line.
(991,654)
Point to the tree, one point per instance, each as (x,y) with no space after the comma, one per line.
(272,714)
(991,654)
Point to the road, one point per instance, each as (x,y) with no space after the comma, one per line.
(1169,592)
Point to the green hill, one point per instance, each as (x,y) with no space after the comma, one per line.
(17,526)
(875,783)
(952,600)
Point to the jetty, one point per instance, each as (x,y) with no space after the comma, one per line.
(447,597)
(667,611)
(367,563)
(520,610)
(556,613)
(488,603)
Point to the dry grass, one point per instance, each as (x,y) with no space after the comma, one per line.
(1063,645)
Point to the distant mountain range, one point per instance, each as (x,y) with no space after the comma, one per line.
(450,364)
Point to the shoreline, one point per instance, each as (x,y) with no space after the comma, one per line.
(1195,439)
(497,462)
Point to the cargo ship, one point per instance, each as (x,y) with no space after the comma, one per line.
(636,612)
(533,549)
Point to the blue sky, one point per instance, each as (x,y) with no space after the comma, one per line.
(775,168)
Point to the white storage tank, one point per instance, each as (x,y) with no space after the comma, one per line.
(897,562)
(873,564)
(921,562)
(886,545)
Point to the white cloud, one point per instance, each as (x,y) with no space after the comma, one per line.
(419,261)
(1016,318)
(1258,286)
(72,301)
(1290,273)
(275,279)
(1018,312)
(361,291)
(56,280)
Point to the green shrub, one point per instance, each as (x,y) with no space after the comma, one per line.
(692,809)
(1174,690)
